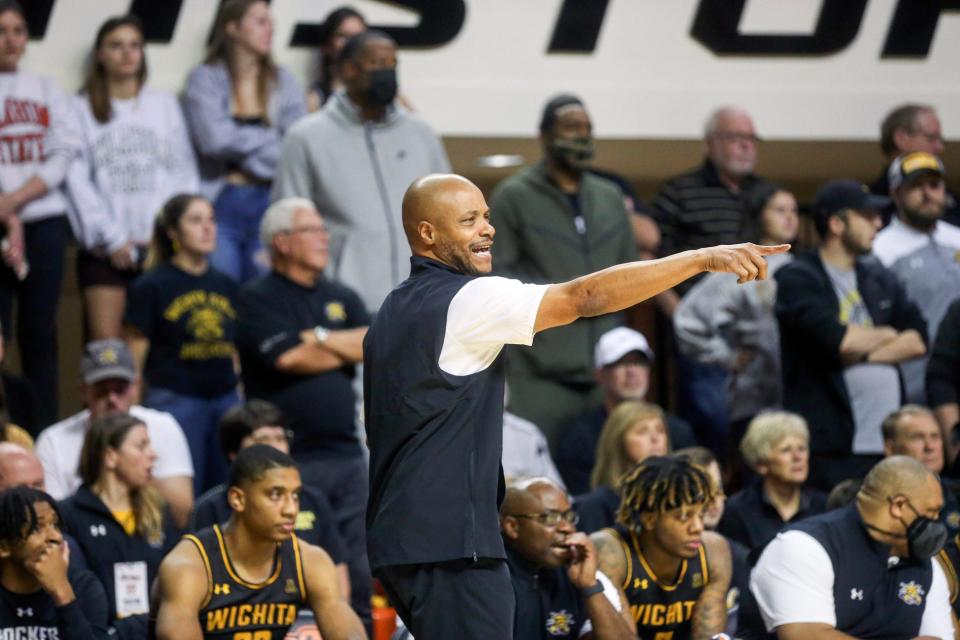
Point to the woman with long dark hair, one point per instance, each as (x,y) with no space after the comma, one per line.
(239,103)
(180,324)
(119,520)
(40,143)
(340,25)
(136,154)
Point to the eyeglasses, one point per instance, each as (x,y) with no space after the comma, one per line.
(552,518)
(311,229)
(737,137)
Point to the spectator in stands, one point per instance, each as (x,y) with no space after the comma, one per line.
(109,385)
(633,432)
(776,447)
(722,323)
(913,431)
(673,573)
(355,159)
(864,570)
(622,360)
(259,422)
(37,152)
(118,517)
(943,378)
(921,249)
(181,325)
(299,337)
(556,221)
(704,207)
(340,25)
(909,128)
(135,154)
(239,104)
(41,596)
(19,466)
(553,568)
(19,403)
(525,450)
(845,322)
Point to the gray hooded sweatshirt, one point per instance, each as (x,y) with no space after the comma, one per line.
(356,173)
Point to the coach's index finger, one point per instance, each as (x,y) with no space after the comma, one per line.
(769,250)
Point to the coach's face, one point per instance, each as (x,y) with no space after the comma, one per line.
(269,505)
(463,235)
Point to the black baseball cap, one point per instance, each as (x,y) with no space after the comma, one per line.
(906,168)
(837,195)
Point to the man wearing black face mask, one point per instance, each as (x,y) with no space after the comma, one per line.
(355,158)
(864,570)
(556,221)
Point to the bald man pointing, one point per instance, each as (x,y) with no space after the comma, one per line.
(433,388)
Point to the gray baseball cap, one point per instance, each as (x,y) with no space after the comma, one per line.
(105,360)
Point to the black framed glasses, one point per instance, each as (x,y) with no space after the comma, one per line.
(552,518)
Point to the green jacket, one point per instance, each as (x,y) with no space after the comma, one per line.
(537,241)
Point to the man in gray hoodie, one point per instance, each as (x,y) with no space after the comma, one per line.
(354,159)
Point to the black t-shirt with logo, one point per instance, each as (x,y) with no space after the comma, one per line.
(190,321)
(321,407)
(34,615)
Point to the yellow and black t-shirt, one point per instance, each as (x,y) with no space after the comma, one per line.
(662,611)
(240,610)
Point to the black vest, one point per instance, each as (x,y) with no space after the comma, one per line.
(548,603)
(435,438)
(874,598)
(660,610)
(234,607)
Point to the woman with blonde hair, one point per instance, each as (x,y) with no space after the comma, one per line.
(633,432)
(119,520)
(239,104)
(776,447)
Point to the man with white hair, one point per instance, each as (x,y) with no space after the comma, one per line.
(701,208)
(299,337)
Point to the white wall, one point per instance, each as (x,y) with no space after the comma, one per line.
(647,77)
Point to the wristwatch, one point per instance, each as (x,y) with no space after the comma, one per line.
(592,590)
(321,334)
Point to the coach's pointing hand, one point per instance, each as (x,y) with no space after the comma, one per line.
(746,260)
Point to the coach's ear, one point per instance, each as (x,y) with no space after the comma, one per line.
(236,499)
(5,550)
(510,527)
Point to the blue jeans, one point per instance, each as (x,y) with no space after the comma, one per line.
(702,400)
(239,210)
(199,418)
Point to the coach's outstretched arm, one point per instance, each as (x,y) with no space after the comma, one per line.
(625,285)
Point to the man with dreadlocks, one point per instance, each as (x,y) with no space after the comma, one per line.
(38,599)
(673,573)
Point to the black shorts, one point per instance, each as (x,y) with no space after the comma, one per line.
(94,271)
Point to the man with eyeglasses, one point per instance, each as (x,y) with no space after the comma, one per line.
(299,337)
(697,209)
(559,591)
(907,129)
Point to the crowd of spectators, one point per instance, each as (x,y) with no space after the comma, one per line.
(233,245)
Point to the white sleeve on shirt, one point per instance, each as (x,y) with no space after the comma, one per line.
(173,452)
(793,582)
(53,480)
(484,315)
(611,593)
(937,618)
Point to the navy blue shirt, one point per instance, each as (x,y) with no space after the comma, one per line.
(34,615)
(272,311)
(751,519)
(548,603)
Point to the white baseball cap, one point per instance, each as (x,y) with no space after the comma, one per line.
(616,343)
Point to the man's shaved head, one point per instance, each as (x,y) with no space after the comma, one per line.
(19,467)
(445,217)
(896,475)
(522,495)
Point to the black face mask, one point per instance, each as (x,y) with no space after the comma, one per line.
(573,154)
(925,536)
(381,86)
